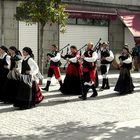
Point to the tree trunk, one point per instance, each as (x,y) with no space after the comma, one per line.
(41,54)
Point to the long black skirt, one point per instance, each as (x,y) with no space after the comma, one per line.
(124,84)
(3,81)
(72,85)
(10,90)
(24,97)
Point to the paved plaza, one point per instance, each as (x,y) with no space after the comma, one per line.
(59,117)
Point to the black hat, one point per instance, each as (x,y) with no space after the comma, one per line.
(4,48)
(126,47)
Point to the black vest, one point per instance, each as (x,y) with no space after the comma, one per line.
(53,54)
(14,59)
(25,66)
(105,53)
(124,65)
(2,64)
(89,65)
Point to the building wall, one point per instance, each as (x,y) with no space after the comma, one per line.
(116,35)
(50,37)
(10,24)
(120,2)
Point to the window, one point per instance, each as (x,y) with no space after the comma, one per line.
(71,21)
(100,22)
(86,21)
(81,21)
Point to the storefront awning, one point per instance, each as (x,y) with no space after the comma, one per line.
(76,13)
(132,21)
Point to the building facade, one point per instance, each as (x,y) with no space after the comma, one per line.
(115,21)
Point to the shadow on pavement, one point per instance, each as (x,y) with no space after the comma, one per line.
(9,109)
(76,131)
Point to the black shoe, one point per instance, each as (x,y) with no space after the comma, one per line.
(107,87)
(101,89)
(94,95)
(44,89)
(83,97)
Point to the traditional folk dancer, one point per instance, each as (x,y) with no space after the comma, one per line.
(89,65)
(124,84)
(54,68)
(4,69)
(29,93)
(106,56)
(72,84)
(11,86)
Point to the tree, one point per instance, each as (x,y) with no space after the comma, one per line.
(42,12)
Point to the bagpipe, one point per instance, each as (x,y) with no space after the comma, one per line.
(53,55)
(97,46)
(68,55)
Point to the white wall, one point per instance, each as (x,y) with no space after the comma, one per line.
(28,37)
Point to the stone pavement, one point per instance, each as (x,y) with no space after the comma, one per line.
(58,117)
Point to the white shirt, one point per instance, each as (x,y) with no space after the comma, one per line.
(111,57)
(56,58)
(128,60)
(93,58)
(33,65)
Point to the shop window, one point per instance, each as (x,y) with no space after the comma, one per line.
(84,21)
(101,22)
(81,21)
(71,21)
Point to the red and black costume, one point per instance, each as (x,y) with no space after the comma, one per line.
(72,82)
(89,70)
(54,69)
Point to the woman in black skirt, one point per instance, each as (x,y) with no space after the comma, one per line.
(72,83)
(11,86)
(124,84)
(4,69)
(28,93)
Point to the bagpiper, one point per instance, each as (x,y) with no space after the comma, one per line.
(106,57)
(89,65)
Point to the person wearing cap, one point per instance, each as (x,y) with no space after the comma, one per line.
(89,66)
(124,83)
(106,56)
(5,63)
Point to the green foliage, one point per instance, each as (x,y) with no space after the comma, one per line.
(42,11)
